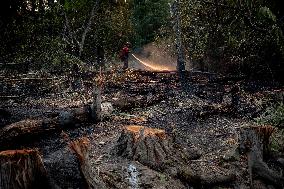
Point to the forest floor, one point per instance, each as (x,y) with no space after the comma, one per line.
(203,118)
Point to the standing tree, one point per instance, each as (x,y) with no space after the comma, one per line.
(76,37)
(178,40)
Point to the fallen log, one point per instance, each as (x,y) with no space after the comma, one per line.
(70,118)
(127,103)
(22,169)
(81,148)
(26,129)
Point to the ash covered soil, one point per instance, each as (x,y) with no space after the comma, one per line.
(203,119)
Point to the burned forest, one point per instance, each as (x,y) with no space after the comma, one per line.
(141,94)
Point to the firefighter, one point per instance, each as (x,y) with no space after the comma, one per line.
(125,55)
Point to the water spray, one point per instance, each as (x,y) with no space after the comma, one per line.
(151,65)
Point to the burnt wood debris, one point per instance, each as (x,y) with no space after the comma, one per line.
(145,121)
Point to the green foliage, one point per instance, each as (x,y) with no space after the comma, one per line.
(148,17)
(50,34)
(235,36)
(50,56)
(50,37)
(227,36)
(114,27)
(273,115)
(266,13)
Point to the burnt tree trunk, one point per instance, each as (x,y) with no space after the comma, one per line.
(25,129)
(22,169)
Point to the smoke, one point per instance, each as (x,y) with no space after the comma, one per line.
(154,56)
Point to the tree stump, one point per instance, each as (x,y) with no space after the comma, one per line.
(152,147)
(81,148)
(252,142)
(22,169)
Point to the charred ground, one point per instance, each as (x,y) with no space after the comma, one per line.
(206,119)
